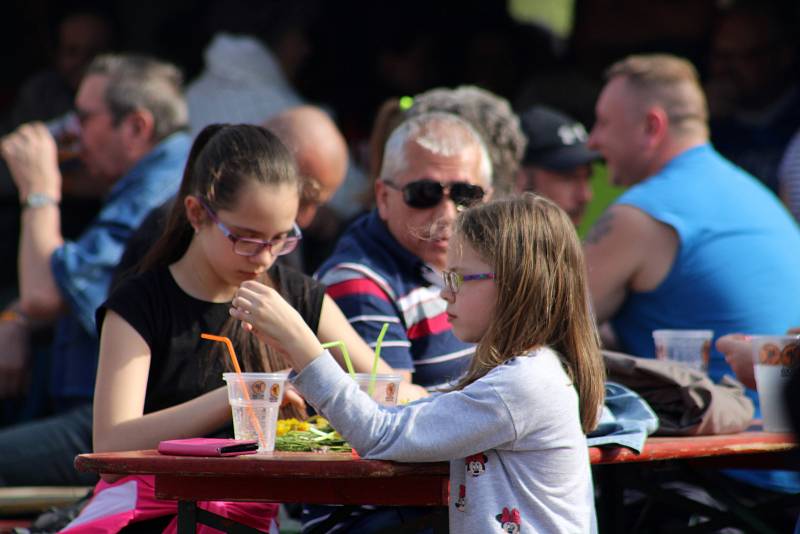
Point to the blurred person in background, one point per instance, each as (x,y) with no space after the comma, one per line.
(668,252)
(322,159)
(557,163)
(752,86)
(789,177)
(48,95)
(132,115)
(51,92)
(256,49)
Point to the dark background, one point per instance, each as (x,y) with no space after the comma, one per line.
(360,52)
(350,55)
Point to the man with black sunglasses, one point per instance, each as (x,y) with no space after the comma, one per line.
(385,268)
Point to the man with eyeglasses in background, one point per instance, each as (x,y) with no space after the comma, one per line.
(132,112)
(386,268)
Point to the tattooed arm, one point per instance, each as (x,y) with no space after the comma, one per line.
(626,250)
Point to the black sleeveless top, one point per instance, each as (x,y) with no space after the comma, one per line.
(183,365)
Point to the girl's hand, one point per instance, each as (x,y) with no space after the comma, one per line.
(264,312)
(410,392)
(292,397)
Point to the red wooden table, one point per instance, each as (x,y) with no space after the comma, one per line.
(695,459)
(307,477)
(339,478)
(752,449)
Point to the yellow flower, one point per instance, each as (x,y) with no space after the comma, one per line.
(289,425)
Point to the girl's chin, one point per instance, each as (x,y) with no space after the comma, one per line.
(466,337)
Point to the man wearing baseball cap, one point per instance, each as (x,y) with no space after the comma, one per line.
(556,163)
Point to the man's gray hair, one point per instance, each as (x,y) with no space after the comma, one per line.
(491,116)
(140,82)
(440,133)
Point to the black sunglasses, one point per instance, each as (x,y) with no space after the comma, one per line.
(427,193)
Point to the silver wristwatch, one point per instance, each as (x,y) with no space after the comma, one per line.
(37,200)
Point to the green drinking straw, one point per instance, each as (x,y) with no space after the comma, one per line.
(372,375)
(346,355)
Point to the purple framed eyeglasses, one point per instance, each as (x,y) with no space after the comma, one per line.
(246,246)
(453,280)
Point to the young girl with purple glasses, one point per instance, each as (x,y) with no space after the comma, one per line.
(513,426)
(157,379)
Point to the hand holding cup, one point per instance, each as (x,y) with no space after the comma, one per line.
(30,152)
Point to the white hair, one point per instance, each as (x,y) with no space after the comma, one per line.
(440,133)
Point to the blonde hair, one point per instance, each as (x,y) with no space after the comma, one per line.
(669,82)
(542,295)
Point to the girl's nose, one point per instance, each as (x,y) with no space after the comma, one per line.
(264,257)
(448,295)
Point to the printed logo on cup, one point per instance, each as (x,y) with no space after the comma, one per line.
(274,392)
(390,393)
(788,357)
(257,389)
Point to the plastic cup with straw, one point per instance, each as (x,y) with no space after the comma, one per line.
(372,376)
(250,412)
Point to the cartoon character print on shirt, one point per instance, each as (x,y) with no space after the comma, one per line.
(476,464)
(509,521)
(461,502)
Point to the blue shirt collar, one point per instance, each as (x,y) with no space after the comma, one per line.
(174,144)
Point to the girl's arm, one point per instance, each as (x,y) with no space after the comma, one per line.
(440,427)
(334,326)
(119,420)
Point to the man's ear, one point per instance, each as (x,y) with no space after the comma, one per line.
(656,125)
(141,127)
(382,198)
(195,212)
(488,192)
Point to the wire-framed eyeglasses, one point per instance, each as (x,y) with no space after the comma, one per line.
(246,246)
(453,280)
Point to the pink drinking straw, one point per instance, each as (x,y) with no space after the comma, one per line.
(238,370)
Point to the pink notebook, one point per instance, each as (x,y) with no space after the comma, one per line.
(207,447)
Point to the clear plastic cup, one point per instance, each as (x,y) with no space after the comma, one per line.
(775,359)
(255,400)
(386,389)
(66,130)
(689,347)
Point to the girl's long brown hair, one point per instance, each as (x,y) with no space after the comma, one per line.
(542,295)
(222,160)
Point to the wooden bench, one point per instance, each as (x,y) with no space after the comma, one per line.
(35,499)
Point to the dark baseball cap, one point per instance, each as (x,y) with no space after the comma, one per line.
(555,141)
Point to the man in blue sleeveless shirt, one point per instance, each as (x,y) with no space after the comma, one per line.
(695,242)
